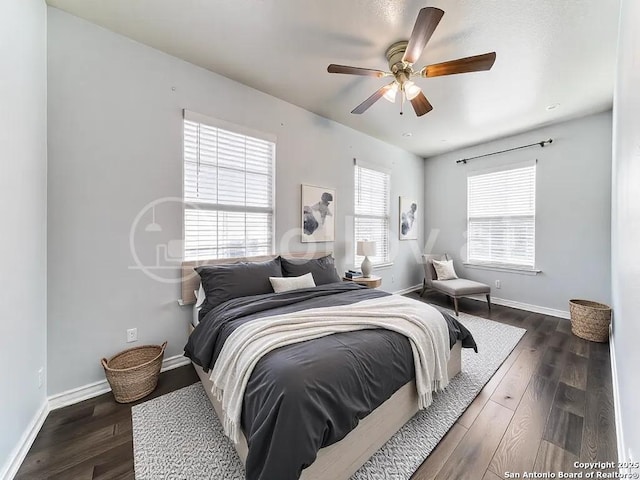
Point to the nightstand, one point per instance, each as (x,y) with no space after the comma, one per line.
(371,282)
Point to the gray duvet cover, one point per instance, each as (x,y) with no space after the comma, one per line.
(309,395)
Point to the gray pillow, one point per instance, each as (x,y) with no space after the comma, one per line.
(323,269)
(233,280)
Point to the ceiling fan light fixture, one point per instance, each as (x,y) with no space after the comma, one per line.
(390,95)
(411,90)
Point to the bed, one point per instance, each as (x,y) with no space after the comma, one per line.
(329,418)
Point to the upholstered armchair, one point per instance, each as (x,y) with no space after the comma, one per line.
(455,288)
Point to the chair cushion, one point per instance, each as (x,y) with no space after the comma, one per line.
(460,286)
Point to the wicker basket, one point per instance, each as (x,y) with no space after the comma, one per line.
(590,320)
(133,373)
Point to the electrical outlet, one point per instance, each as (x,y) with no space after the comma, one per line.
(40,377)
(132,335)
(498,284)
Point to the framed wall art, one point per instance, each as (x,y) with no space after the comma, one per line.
(408,219)
(318,214)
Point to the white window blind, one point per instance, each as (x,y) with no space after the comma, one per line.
(371,219)
(501,210)
(228,192)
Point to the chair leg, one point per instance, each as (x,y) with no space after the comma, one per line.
(489,301)
(455,305)
(424,287)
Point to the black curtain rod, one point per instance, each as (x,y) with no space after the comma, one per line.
(541,144)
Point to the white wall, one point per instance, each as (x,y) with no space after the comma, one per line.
(572,211)
(115,139)
(23,192)
(625,231)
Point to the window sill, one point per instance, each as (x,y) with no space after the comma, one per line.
(380,266)
(375,266)
(503,268)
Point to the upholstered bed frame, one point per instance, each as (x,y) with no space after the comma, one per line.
(342,459)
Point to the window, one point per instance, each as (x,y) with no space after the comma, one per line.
(228,190)
(371,219)
(501,212)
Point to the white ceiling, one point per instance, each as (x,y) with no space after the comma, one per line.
(548,52)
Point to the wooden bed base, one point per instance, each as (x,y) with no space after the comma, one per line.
(342,459)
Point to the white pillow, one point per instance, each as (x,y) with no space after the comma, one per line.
(284,284)
(200,298)
(444,269)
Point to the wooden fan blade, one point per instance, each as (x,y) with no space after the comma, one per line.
(355,70)
(371,100)
(421,105)
(426,23)
(476,63)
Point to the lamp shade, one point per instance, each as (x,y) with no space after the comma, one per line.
(411,90)
(366,248)
(391,93)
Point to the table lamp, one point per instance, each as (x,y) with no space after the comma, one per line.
(366,248)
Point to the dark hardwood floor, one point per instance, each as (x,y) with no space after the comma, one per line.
(548,405)
(92,439)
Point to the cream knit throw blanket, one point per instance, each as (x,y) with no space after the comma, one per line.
(422,324)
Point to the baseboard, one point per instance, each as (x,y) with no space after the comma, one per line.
(19,453)
(504,302)
(408,289)
(526,306)
(174,362)
(79,394)
(622,451)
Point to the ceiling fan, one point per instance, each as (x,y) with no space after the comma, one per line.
(402,55)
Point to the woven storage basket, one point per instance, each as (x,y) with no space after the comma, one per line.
(134,373)
(590,320)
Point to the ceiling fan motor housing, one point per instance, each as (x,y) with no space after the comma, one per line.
(395,53)
(401,70)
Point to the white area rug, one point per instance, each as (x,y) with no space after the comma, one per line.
(178,436)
